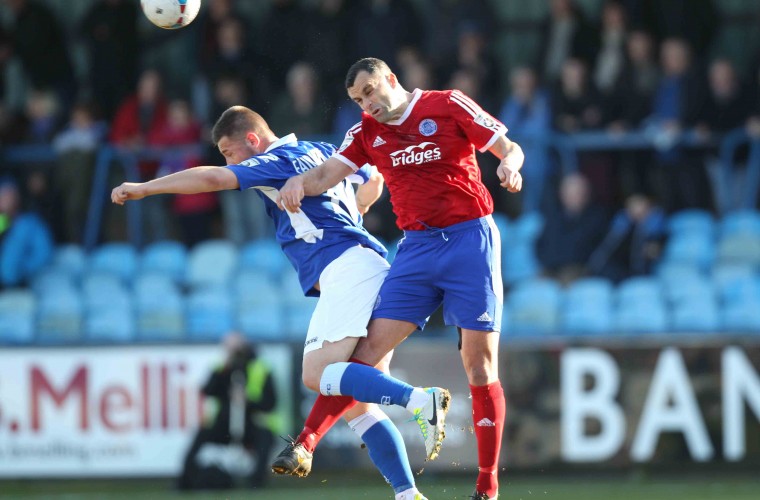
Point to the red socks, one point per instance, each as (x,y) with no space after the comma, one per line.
(327,410)
(488,412)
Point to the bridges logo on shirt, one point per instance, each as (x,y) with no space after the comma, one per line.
(416,154)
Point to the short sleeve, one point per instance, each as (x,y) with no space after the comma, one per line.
(351,151)
(251,173)
(479,126)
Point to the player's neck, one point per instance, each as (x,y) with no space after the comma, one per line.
(403,105)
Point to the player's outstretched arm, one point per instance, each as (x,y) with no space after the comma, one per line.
(190,181)
(369,192)
(311,183)
(512,157)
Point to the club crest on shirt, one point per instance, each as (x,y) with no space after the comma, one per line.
(428,127)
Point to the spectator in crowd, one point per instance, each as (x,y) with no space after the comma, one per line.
(328,33)
(610,61)
(631,101)
(76,146)
(678,103)
(727,106)
(574,226)
(695,21)
(528,115)
(241,395)
(383,28)
(109,29)
(281,40)
(39,42)
(137,117)
(472,56)
(753,122)
(567,35)
(194,212)
(42,116)
(300,108)
(633,243)
(26,242)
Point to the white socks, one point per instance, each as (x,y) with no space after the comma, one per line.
(418,399)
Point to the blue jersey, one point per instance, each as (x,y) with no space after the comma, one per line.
(326,226)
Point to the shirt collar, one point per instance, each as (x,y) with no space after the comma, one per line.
(288,139)
(408,111)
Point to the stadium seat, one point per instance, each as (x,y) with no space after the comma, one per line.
(166,257)
(264,255)
(209,313)
(297,317)
(100,289)
(259,306)
(739,249)
(741,316)
(741,222)
(526,228)
(119,259)
(587,307)
(691,221)
(532,307)
(740,289)
(694,249)
(639,288)
(17,310)
(723,274)
(688,287)
(114,323)
(69,259)
(211,263)
(696,313)
(60,316)
(641,315)
(51,278)
(159,308)
(519,263)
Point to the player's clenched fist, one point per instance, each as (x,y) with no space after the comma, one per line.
(127,191)
(290,195)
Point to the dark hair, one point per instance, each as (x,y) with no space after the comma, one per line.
(237,120)
(368,64)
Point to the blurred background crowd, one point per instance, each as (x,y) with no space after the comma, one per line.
(624,109)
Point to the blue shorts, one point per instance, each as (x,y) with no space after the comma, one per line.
(458,266)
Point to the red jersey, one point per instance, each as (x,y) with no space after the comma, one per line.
(428,158)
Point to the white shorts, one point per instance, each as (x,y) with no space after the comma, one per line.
(348,290)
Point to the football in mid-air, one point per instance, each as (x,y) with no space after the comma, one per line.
(170,14)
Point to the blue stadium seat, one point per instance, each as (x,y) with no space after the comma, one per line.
(723,274)
(209,313)
(742,288)
(51,278)
(741,317)
(696,313)
(532,307)
(159,308)
(694,249)
(60,316)
(526,228)
(297,317)
(114,323)
(17,313)
(69,259)
(519,263)
(739,249)
(641,316)
(639,288)
(688,287)
(259,305)
(741,222)
(587,307)
(211,263)
(119,259)
(166,257)
(691,221)
(99,289)
(264,255)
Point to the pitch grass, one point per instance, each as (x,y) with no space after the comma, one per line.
(364,487)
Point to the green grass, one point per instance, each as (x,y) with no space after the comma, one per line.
(371,488)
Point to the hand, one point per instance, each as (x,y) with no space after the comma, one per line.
(510,179)
(127,191)
(290,195)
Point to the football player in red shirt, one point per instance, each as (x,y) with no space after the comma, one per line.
(423,143)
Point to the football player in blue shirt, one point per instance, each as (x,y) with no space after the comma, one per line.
(337,260)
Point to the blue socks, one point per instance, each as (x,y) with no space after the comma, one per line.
(386,448)
(364,383)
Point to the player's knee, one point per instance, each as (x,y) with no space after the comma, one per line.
(310,379)
(480,375)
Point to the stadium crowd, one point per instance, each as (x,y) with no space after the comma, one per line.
(639,66)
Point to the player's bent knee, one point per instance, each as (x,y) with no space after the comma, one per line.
(311,378)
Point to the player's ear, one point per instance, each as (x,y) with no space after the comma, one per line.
(253,139)
(392,80)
